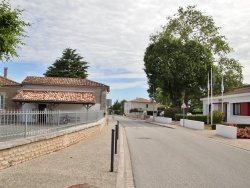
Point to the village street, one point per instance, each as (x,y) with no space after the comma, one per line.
(169,157)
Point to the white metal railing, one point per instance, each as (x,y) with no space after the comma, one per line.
(18,124)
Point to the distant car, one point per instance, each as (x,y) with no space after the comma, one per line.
(162,114)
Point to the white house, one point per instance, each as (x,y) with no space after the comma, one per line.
(55,93)
(140,103)
(236,105)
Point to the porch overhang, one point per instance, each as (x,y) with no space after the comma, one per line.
(55,97)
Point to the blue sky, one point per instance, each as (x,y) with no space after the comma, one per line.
(113,35)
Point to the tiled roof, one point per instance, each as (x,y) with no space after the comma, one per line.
(55,96)
(7,82)
(34,80)
(237,90)
(141,100)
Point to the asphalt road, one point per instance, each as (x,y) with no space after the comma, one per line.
(166,157)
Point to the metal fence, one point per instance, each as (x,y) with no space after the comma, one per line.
(18,124)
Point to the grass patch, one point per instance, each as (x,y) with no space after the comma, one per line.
(207,127)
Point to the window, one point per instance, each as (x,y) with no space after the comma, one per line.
(146,105)
(236,109)
(1,101)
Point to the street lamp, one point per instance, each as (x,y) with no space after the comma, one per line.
(153,98)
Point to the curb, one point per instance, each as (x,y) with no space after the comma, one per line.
(125,177)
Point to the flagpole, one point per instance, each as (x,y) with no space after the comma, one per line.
(211,96)
(208,89)
(222,90)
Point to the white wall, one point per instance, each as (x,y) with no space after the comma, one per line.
(229,100)
(142,106)
(63,107)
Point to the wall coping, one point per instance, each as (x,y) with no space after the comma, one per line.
(46,136)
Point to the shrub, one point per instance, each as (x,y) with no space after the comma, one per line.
(202,118)
(197,111)
(243,133)
(179,116)
(134,110)
(170,112)
(218,116)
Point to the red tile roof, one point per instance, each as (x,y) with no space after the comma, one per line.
(141,100)
(61,81)
(55,96)
(237,90)
(7,82)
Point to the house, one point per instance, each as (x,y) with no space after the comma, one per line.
(234,104)
(141,104)
(59,93)
(8,90)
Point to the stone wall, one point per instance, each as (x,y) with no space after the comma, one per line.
(21,150)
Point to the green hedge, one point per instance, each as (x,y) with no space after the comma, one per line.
(202,118)
(170,112)
(179,116)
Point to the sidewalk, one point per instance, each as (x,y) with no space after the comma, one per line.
(211,134)
(83,165)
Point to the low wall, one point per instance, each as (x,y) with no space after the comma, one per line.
(20,150)
(162,119)
(198,125)
(226,131)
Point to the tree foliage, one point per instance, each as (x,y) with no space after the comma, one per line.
(69,65)
(191,24)
(11,30)
(118,107)
(178,66)
(179,58)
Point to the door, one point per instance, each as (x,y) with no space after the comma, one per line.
(42,115)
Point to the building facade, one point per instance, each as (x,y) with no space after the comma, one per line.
(141,104)
(55,93)
(235,105)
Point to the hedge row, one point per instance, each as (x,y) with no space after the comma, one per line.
(202,118)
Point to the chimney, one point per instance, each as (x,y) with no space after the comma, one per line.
(5,72)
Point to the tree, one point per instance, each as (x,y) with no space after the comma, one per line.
(69,65)
(191,24)
(11,30)
(178,66)
(179,57)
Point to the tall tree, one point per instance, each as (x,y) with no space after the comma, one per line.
(178,66)
(11,30)
(69,65)
(195,42)
(191,24)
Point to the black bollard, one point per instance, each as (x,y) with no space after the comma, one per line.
(112,150)
(116,137)
(118,131)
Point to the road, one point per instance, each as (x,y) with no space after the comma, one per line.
(165,157)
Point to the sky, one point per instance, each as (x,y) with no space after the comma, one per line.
(113,35)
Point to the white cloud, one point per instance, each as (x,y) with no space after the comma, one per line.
(113,35)
(127,85)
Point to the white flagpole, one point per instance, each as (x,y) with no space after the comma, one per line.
(208,90)
(222,90)
(211,96)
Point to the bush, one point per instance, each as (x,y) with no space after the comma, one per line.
(170,112)
(202,118)
(218,116)
(134,110)
(179,116)
(196,111)
(150,113)
(243,133)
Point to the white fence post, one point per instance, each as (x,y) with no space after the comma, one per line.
(26,118)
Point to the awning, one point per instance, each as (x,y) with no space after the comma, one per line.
(69,97)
